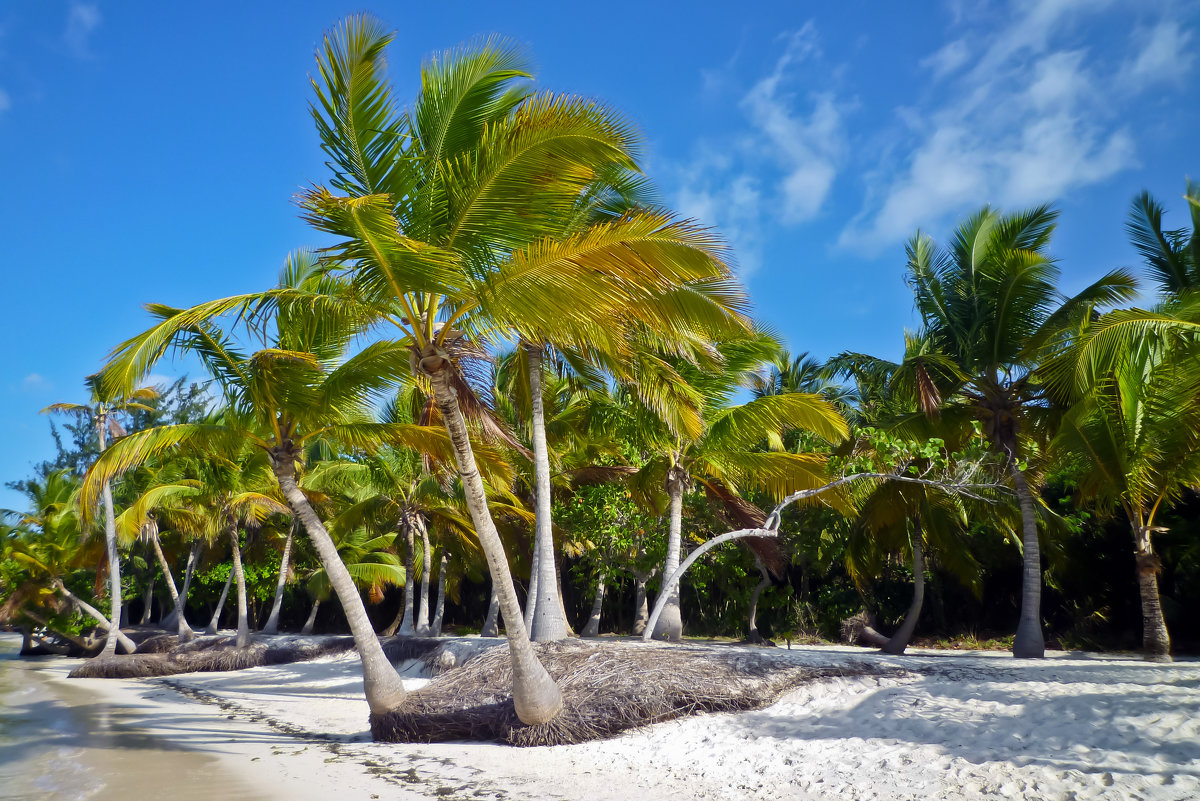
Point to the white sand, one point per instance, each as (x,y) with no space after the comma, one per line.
(961,725)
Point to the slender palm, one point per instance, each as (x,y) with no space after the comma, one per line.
(1171,257)
(990,303)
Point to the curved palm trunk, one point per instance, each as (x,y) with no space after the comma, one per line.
(96,615)
(535,695)
(753,635)
(426,567)
(147,602)
(435,629)
(181,625)
(211,628)
(110,547)
(312,618)
(491,625)
(239,576)
(1028,643)
(899,641)
(531,591)
(548,621)
(381,683)
(641,607)
(172,619)
(592,629)
(669,625)
(272,626)
(1155,641)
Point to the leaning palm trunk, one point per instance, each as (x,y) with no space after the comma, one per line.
(312,618)
(899,640)
(670,623)
(181,625)
(752,629)
(1155,641)
(110,546)
(239,576)
(1028,642)
(96,615)
(381,683)
(535,695)
(426,566)
(491,624)
(272,626)
(435,629)
(592,629)
(211,628)
(531,591)
(173,619)
(548,622)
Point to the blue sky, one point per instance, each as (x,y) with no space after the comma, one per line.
(149,151)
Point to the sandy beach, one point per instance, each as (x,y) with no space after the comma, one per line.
(954,725)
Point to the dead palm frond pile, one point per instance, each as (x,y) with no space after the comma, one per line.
(209,654)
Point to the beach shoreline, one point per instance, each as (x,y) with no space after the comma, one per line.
(953,725)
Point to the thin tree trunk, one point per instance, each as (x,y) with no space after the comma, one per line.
(172,619)
(1155,641)
(435,628)
(211,628)
(1028,642)
(753,635)
(239,577)
(407,629)
(426,567)
(592,629)
(181,625)
(549,624)
(491,625)
(641,606)
(147,602)
(110,545)
(272,626)
(312,618)
(899,641)
(96,615)
(381,684)
(531,590)
(536,697)
(670,623)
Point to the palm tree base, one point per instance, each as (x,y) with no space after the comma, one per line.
(1028,642)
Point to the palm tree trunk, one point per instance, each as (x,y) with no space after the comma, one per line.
(641,606)
(1028,642)
(239,576)
(491,625)
(426,567)
(1155,641)
(96,615)
(312,618)
(381,683)
(670,623)
(592,629)
(406,613)
(535,695)
(753,635)
(181,625)
(147,602)
(110,546)
(548,621)
(531,590)
(272,626)
(435,628)
(899,641)
(211,628)
(193,554)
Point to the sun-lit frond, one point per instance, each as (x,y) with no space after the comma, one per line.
(151,502)
(747,425)
(776,474)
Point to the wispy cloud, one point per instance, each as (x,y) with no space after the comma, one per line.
(35,382)
(1027,121)
(1165,57)
(82,20)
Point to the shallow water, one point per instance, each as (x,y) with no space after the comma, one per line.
(60,743)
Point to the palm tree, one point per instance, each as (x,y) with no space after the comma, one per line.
(1172,257)
(102,412)
(990,303)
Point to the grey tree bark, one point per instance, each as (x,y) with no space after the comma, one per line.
(1028,642)
(426,567)
(404,619)
(592,629)
(900,639)
(97,616)
(172,620)
(536,697)
(1156,643)
(641,609)
(272,626)
(669,623)
(531,590)
(312,618)
(147,602)
(381,684)
(239,578)
(491,624)
(181,625)
(213,623)
(548,621)
(753,635)
(435,629)
(110,546)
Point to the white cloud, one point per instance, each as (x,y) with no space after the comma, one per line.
(82,19)
(35,382)
(1165,57)
(948,59)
